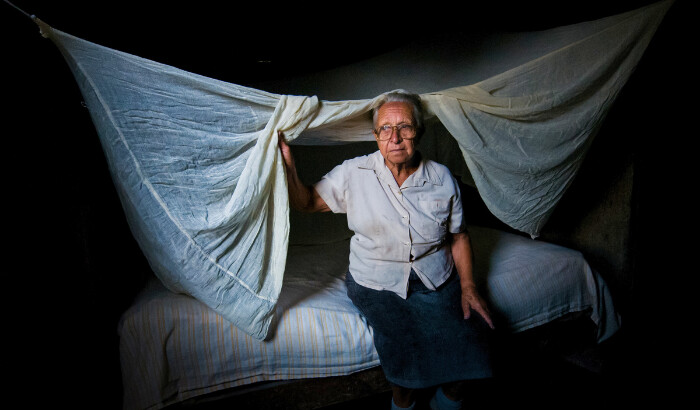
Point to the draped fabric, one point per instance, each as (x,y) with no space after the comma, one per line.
(197,167)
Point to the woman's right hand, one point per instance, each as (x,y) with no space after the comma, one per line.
(286,152)
(301,197)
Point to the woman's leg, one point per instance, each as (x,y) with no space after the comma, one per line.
(454,391)
(402,397)
(448,397)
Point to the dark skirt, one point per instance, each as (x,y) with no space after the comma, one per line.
(424,340)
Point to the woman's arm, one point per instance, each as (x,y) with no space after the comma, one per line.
(463,257)
(301,197)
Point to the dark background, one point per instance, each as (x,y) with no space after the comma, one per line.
(72,266)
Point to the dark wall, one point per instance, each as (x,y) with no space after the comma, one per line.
(627,210)
(657,126)
(74,267)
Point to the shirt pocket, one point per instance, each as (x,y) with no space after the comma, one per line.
(433,223)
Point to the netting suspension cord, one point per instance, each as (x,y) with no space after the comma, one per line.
(44,28)
(31,16)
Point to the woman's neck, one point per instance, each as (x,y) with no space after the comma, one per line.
(403,170)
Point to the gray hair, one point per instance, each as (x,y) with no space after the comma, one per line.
(402,96)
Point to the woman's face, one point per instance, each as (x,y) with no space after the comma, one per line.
(395,150)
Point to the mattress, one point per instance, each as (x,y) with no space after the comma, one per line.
(174,348)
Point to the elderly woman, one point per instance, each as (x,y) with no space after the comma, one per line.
(410,269)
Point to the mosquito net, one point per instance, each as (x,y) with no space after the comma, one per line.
(197,167)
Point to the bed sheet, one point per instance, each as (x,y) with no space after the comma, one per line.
(174,348)
(528,282)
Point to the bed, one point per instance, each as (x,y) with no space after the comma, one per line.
(174,349)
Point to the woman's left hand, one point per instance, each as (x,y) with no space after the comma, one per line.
(471,300)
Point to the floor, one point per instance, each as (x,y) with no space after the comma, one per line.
(565,387)
(612,376)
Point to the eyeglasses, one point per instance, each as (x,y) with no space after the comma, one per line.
(405,131)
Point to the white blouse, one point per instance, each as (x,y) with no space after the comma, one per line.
(396,228)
